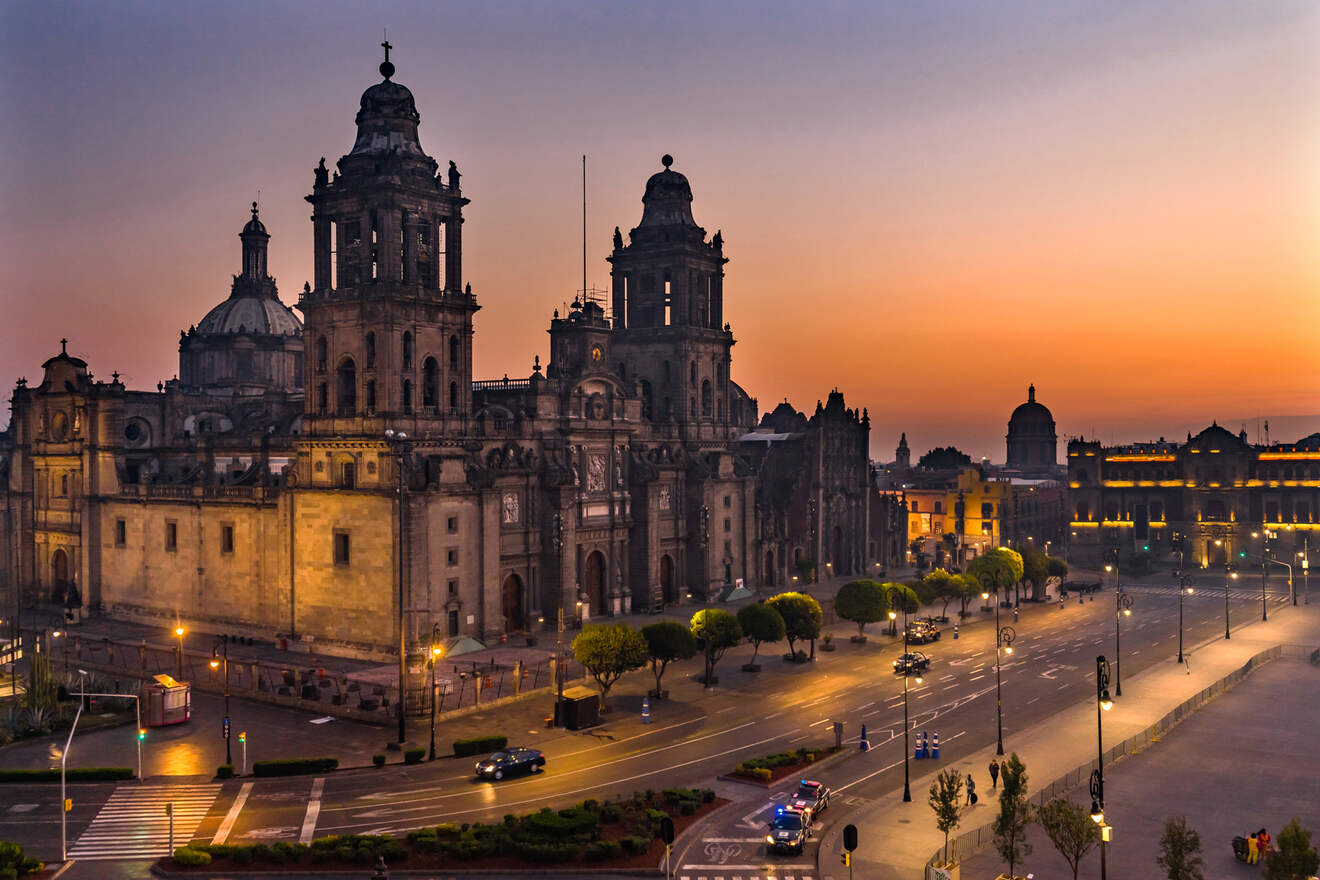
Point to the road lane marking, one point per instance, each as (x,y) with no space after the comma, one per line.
(232,816)
(313,811)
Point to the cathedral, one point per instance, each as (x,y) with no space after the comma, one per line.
(343,480)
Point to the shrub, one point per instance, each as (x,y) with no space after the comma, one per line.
(240,855)
(635,845)
(478,745)
(609,814)
(294,766)
(548,852)
(392,851)
(378,760)
(225,771)
(191,858)
(591,804)
(446,829)
(413,756)
(604,849)
(687,808)
(14,864)
(76,774)
(707,795)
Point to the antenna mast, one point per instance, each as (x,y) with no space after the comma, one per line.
(584,225)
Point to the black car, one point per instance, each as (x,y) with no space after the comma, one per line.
(510,761)
(789,830)
(911,662)
(811,797)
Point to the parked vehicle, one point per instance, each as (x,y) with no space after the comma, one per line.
(509,762)
(920,632)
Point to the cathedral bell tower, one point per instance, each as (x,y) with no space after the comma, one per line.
(388,325)
(668,295)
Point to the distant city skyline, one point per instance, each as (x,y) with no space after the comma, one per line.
(927,207)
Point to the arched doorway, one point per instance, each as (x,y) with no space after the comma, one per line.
(668,592)
(770,568)
(59,574)
(512,604)
(593,582)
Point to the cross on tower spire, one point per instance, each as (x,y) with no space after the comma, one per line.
(64,346)
(386,68)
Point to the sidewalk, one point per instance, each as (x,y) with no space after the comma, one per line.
(899,838)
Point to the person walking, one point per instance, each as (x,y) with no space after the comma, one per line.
(971,789)
(994,773)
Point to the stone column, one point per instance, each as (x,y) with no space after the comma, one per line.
(409,249)
(321,252)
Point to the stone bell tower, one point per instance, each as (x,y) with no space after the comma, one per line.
(668,297)
(388,325)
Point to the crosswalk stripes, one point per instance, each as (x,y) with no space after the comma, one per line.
(746,876)
(1217,592)
(133,822)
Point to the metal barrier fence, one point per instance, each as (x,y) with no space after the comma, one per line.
(970,842)
(458,685)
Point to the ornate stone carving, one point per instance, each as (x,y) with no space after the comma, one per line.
(595,472)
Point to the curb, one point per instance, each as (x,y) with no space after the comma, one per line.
(159,871)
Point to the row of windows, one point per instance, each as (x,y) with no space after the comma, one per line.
(172,536)
(406,351)
(346,399)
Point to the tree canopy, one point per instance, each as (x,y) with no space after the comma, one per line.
(667,641)
(943,587)
(946,800)
(802,616)
(1071,829)
(944,458)
(862,602)
(716,631)
(1180,851)
(608,650)
(1293,857)
(1010,826)
(760,623)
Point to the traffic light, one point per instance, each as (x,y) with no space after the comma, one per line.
(1242,554)
(847,860)
(242,736)
(1145,548)
(68,805)
(142,734)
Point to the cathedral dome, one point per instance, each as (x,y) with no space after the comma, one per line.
(668,198)
(253,315)
(387,121)
(1031,417)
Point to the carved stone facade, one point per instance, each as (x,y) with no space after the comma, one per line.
(267,500)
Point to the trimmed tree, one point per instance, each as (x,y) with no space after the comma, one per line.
(1180,851)
(667,641)
(943,588)
(900,598)
(862,602)
(1056,567)
(716,631)
(968,588)
(1295,858)
(1071,830)
(992,572)
(1010,825)
(760,623)
(802,617)
(946,800)
(607,651)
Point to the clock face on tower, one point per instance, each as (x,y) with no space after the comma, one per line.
(597,353)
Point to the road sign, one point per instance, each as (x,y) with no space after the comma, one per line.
(850,837)
(225,727)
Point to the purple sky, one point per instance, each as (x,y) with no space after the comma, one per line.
(928,205)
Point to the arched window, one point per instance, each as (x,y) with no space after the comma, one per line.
(692,374)
(371,351)
(64,484)
(705,397)
(371,395)
(407,395)
(692,406)
(453,353)
(430,383)
(1083,511)
(349,475)
(646,399)
(347,399)
(453,397)
(407,350)
(320,354)
(322,398)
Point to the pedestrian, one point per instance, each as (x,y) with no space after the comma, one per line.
(1253,850)
(994,773)
(971,790)
(1262,844)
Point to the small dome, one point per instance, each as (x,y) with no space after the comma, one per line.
(387,121)
(1031,415)
(255,226)
(251,315)
(668,198)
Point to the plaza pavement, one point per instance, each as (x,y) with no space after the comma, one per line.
(897,838)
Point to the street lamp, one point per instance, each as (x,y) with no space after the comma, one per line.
(1102,704)
(1122,608)
(1183,590)
(398,443)
(437,651)
(1004,636)
(216,659)
(889,594)
(178,632)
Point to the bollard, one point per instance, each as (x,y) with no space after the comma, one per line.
(919,749)
(1080,597)
(1015,615)
(646,710)
(935,746)
(955,630)
(864,744)
(1061,600)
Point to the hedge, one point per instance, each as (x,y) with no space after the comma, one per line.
(479,745)
(75,774)
(191,858)
(224,771)
(294,766)
(413,756)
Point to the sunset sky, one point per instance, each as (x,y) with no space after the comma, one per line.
(926,204)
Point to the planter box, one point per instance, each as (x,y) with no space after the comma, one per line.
(942,871)
(714,679)
(658,695)
(827,646)
(857,640)
(751,667)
